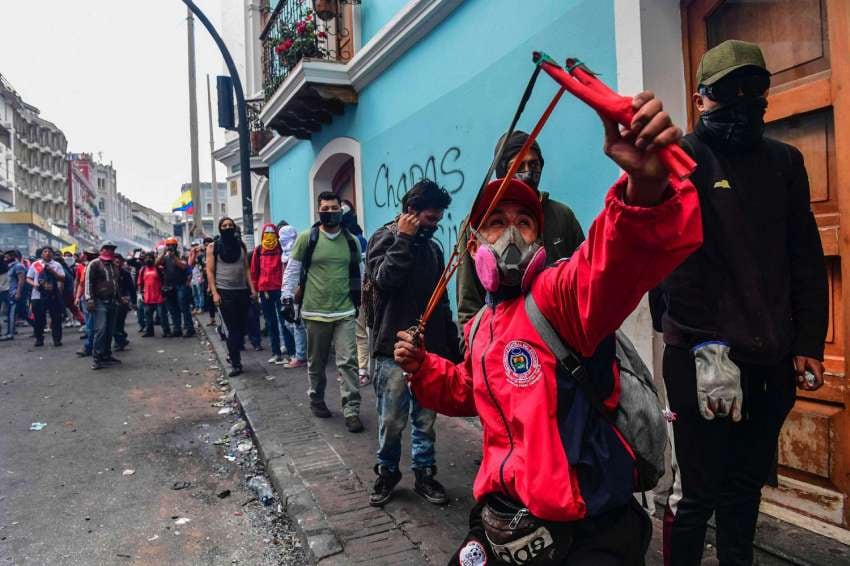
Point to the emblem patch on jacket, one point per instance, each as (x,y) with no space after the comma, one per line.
(522,367)
(722,184)
(473,554)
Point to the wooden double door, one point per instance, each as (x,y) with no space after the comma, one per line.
(806,47)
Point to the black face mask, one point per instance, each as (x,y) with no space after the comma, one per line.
(737,125)
(330,219)
(149,261)
(426,232)
(228,234)
(530,178)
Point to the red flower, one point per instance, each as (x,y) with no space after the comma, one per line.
(283,46)
(321,35)
(300,28)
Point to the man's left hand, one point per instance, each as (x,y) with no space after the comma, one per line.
(803,364)
(634,148)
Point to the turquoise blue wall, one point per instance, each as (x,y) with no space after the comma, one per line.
(440,108)
(374,14)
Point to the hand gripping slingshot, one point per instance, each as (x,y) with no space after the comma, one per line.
(583,84)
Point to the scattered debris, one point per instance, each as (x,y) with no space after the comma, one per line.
(153,538)
(160,351)
(188,386)
(37,426)
(182,521)
(245,446)
(262,488)
(269,378)
(223,441)
(224,411)
(180,484)
(237,428)
(230,457)
(223,494)
(128,472)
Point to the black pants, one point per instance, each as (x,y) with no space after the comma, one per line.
(620,537)
(151,312)
(720,466)
(234,307)
(120,334)
(40,309)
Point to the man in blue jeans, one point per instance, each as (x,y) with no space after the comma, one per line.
(176,289)
(101,294)
(17,279)
(403,264)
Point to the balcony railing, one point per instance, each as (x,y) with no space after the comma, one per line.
(260,136)
(293,32)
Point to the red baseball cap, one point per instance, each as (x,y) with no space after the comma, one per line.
(516,192)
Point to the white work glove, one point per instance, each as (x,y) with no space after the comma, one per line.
(718,381)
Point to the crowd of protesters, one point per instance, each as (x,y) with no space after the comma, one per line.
(738,289)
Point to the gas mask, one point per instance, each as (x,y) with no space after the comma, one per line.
(509,262)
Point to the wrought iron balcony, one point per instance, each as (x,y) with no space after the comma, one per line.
(260,136)
(293,31)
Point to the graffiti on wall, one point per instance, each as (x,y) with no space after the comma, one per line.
(389,188)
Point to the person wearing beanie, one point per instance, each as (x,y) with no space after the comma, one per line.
(562,233)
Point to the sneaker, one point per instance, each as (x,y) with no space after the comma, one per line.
(83,353)
(353,424)
(189,334)
(57,343)
(386,481)
(97,364)
(122,347)
(176,334)
(428,487)
(278,360)
(147,335)
(320,409)
(111,360)
(234,371)
(258,348)
(5,338)
(166,334)
(39,342)
(295,363)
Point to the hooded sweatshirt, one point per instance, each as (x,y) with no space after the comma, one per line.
(266,266)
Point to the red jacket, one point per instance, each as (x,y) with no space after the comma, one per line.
(266,267)
(150,283)
(509,376)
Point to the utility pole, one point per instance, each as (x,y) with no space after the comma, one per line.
(197,214)
(212,159)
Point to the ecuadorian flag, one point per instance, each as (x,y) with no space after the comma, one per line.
(184,203)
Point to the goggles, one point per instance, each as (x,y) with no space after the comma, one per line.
(729,88)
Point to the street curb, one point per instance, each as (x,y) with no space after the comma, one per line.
(297,502)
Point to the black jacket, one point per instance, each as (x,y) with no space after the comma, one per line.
(759,280)
(405,271)
(126,287)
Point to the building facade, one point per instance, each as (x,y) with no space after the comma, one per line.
(393,91)
(149,227)
(208,216)
(33,169)
(84,214)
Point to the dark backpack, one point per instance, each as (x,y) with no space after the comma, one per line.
(354,284)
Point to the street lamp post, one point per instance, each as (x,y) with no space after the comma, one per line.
(244,149)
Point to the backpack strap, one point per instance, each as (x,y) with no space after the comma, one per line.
(308,255)
(476,322)
(568,359)
(354,280)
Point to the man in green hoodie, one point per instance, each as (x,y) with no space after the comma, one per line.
(562,233)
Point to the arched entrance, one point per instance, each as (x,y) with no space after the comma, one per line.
(337,168)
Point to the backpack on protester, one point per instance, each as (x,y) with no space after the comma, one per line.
(639,416)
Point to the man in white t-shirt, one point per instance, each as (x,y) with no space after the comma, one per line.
(46,277)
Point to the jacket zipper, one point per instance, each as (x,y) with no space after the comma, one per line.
(498,408)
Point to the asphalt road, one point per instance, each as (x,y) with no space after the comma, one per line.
(67,493)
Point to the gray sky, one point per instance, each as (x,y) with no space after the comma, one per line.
(113,75)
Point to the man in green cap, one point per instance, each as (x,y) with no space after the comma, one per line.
(744,318)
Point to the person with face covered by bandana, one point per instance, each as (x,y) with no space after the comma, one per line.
(267,275)
(744,317)
(231,288)
(403,265)
(323,277)
(556,478)
(562,233)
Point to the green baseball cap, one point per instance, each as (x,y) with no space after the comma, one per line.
(727,57)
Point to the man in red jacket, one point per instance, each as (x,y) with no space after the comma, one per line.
(556,479)
(267,275)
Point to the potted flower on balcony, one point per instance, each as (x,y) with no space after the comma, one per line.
(298,40)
